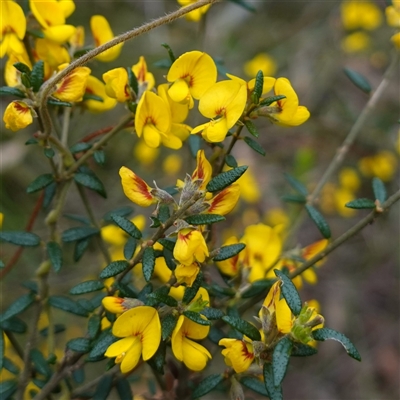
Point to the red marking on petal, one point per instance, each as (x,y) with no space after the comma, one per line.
(245,352)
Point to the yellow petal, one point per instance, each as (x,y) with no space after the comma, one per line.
(179,91)
(12,19)
(142,75)
(179,111)
(151,136)
(67,6)
(225,201)
(60,33)
(203,169)
(132,357)
(48,13)
(17,115)
(193,330)
(195,356)
(119,347)
(116,84)
(177,339)
(96,87)
(290,103)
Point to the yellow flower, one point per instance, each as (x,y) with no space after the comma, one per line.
(225,201)
(172,164)
(230,267)
(73,86)
(77,40)
(144,154)
(96,87)
(102,33)
(249,187)
(140,329)
(349,179)
(393,14)
(12,28)
(53,55)
(239,354)
(190,247)
(191,75)
(1,219)
(382,165)
(203,170)
(145,79)
(355,42)
(11,75)
(194,15)
(360,14)
(192,354)
(396,40)
(117,84)
(186,273)
(161,269)
(118,305)
(17,115)
(135,188)
(261,62)
(115,236)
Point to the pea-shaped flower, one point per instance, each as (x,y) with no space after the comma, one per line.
(17,115)
(73,86)
(12,28)
(190,246)
(239,354)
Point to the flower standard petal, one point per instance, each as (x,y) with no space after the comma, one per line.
(47,13)
(73,86)
(142,75)
(225,201)
(59,33)
(151,334)
(203,169)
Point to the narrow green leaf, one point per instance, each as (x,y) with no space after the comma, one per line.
(167,243)
(289,292)
(25,239)
(49,193)
(81,345)
(66,304)
(303,350)
(35,33)
(280,359)
(54,102)
(19,305)
(30,141)
(129,248)
(100,157)
(133,82)
(10,91)
(80,248)
(294,198)
(8,388)
(25,80)
(212,313)
(170,52)
(225,179)
(94,325)
(168,325)
(55,254)
(258,87)
(196,317)
(57,328)
(124,211)
(274,392)
(14,324)
(103,388)
(10,366)
(231,161)
(258,287)
(78,233)
(326,333)
(207,384)
(357,79)
(243,327)
(49,152)
(91,96)
(244,5)
(87,287)
(296,184)
(40,363)
(163,213)
(101,345)
(226,252)
(124,389)
(37,75)
(163,297)
(190,292)
(204,219)
(271,99)
(254,145)
(361,204)
(78,375)
(195,143)
(379,190)
(127,226)
(148,263)
(80,147)
(92,182)
(158,360)
(254,384)
(23,68)
(113,269)
(319,220)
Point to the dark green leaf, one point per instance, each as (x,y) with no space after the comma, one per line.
(303,350)
(129,248)
(114,268)
(289,292)
(83,51)
(319,220)
(91,96)
(54,102)
(78,233)
(379,190)
(14,324)
(212,313)
(170,52)
(296,185)
(361,204)
(40,363)
(79,218)
(78,375)
(254,145)
(190,292)
(86,304)
(2,265)
(97,299)
(271,99)
(7,389)
(243,327)
(80,248)
(220,291)
(92,182)
(10,91)
(31,140)
(55,254)
(103,388)
(80,147)
(258,287)
(169,259)
(226,252)
(10,366)
(258,87)
(25,80)
(24,239)
(124,389)
(206,385)
(81,345)
(294,198)
(231,161)
(101,345)
(274,392)
(155,222)
(87,287)
(225,179)
(66,304)
(49,152)
(127,226)
(280,359)
(167,243)
(216,334)
(195,143)
(23,68)
(158,360)
(326,333)
(37,75)
(359,80)
(120,211)
(57,328)
(254,384)
(148,263)
(196,317)
(30,285)
(133,82)
(100,157)
(168,325)
(35,33)
(163,213)
(19,305)
(94,325)
(204,219)
(163,298)
(49,193)
(147,289)
(244,4)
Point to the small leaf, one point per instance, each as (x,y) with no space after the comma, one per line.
(57,328)
(125,211)
(319,220)
(226,252)
(7,389)
(49,152)
(258,87)
(113,269)
(100,157)
(19,305)
(78,375)
(35,33)
(243,327)
(55,254)
(326,333)
(225,179)
(37,75)
(81,345)
(87,287)
(148,263)
(212,313)
(54,102)
(80,147)
(23,68)
(271,99)
(92,182)
(280,359)
(359,80)
(163,213)
(254,145)
(361,204)
(129,248)
(190,292)
(303,350)
(80,248)
(31,140)
(158,360)
(78,233)
(170,52)
(163,298)
(296,185)
(91,96)
(195,143)
(168,325)
(167,243)
(9,365)
(258,287)
(94,325)
(40,363)
(66,304)
(24,239)
(294,198)
(231,161)
(289,292)
(204,219)
(11,91)
(274,392)
(127,226)
(379,190)
(103,388)
(244,4)
(196,317)
(14,324)
(147,289)
(206,385)
(124,389)
(101,345)
(49,193)
(254,384)
(133,82)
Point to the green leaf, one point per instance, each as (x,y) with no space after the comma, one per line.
(87,287)
(161,296)
(7,389)
(80,248)
(91,96)
(1,350)
(129,248)
(225,179)
(319,220)
(168,325)
(303,350)
(170,52)
(271,99)
(258,87)
(280,359)
(14,324)
(54,102)
(101,345)
(78,233)
(113,269)
(204,219)
(40,363)
(66,304)
(124,389)
(147,289)
(226,252)
(207,384)
(296,184)
(294,198)
(49,152)
(92,182)
(163,213)
(94,325)
(37,75)
(10,91)
(359,80)
(289,292)
(78,375)
(212,313)
(31,140)
(254,384)
(24,239)
(274,392)
(361,204)
(125,211)
(49,193)
(55,254)
(80,147)
(244,4)
(100,157)
(127,226)
(254,145)
(35,33)
(133,82)
(326,333)
(23,68)
(167,243)
(57,328)
(82,52)
(243,327)
(2,265)
(258,287)
(103,388)
(231,161)
(158,360)
(9,365)
(379,190)
(25,80)
(148,263)
(19,305)
(81,345)
(190,292)
(195,143)
(196,317)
